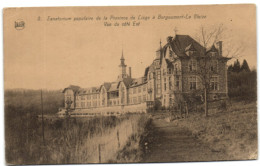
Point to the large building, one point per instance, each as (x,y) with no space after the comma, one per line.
(180,67)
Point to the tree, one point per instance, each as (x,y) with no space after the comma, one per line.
(245,66)
(236,67)
(230,68)
(242,83)
(208,37)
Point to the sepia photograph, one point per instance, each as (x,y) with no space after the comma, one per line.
(130,84)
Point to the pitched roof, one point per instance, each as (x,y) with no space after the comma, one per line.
(127,81)
(107,85)
(190,48)
(146,71)
(138,81)
(113,87)
(88,90)
(74,88)
(183,42)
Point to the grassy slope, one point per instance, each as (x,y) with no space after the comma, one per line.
(233,131)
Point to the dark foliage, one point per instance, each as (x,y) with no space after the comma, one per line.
(245,66)
(242,82)
(30,101)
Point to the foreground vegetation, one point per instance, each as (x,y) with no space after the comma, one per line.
(232,131)
(65,140)
(74,140)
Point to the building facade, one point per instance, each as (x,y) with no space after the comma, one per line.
(182,66)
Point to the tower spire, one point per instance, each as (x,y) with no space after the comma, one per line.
(122,67)
(122,57)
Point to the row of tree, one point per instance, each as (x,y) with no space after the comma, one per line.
(242,81)
(236,67)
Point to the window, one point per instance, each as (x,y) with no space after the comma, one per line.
(214,83)
(144,98)
(177,82)
(164,84)
(135,100)
(134,90)
(95,103)
(159,88)
(214,66)
(144,88)
(68,98)
(139,99)
(164,72)
(192,65)
(139,89)
(158,75)
(82,97)
(82,105)
(193,83)
(213,54)
(170,53)
(169,71)
(170,83)
(176,67)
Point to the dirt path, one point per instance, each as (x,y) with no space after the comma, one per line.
(168,142)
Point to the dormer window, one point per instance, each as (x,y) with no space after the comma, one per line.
(213,54)
(214,66)
(169,71)
(190,49)
(189,53)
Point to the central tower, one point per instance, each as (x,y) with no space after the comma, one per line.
(122,68)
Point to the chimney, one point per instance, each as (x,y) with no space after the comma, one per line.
(220,47)
(130,73)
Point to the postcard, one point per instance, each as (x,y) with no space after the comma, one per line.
(130,84)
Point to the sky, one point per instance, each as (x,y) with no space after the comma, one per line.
(56,54)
